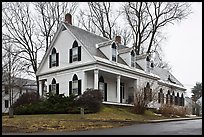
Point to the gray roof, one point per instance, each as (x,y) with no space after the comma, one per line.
(21,82)
(90,40)
(164,75)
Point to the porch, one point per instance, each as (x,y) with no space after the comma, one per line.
(116,89)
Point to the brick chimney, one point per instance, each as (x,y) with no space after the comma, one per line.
(118,39)
(68,18)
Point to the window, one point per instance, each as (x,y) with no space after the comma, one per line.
(54,58)
(148,93)
(177,99)
(75,52)
(6,90)
(6,103)
(75,86)
(168,97)
(54,87)
(114,55)
(132,59)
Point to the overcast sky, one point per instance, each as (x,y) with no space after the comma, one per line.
(183,48)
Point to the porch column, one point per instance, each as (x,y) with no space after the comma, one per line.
(118,89)
(40,87)
(84,82)
(96,79)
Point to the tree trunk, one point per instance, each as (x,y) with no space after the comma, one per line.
(37,81)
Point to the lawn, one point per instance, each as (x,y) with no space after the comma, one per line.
(108,117)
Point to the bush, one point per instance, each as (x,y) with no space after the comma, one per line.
(90,100)
(26,98)
(140,105)
(172,110)
(54,104)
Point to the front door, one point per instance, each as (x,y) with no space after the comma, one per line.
(122,92)
(103,89)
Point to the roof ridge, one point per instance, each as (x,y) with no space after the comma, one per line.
(86,31)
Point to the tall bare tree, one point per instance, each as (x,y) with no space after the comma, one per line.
(148,19)
(50,15)
(19,29)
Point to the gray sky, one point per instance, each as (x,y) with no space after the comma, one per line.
(183,48)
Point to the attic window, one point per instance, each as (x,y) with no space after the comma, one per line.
(54,58)
(75,52)
(133,59)
(114,52)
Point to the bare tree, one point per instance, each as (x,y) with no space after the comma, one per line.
(145,97)
(100,16)
(11,68)
(50,15)
(19,29)
(147,21)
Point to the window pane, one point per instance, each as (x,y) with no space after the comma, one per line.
(113,54)
(75,54)
(75,87)
(53,89)
(75,51)
(54,59)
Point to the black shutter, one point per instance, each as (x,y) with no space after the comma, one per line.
(50,60)
(49,88)
(79,87)
(105,92)
(159,97)
(70,87)
(57,88)
(57,59)
(70,55)
(79,53)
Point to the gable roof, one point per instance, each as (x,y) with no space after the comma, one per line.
(164,75)
(90,40)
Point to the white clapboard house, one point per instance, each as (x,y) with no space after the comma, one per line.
(77,59)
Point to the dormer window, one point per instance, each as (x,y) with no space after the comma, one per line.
(114,54)
(75,52)
(54,58)
(133,59)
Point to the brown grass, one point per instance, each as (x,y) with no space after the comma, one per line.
(108,117)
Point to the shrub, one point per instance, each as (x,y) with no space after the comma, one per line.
(53,104)
(26,98)
(90,100)
(140,105)
(172,110)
